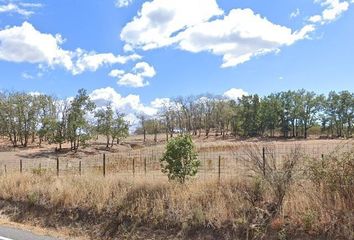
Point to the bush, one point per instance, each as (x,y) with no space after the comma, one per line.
(334,174)
(180,159)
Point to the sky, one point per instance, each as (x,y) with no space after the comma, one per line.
(138,54)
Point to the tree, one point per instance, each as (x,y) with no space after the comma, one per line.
(311,106)
(142,118)
(180,159)
(120,128)
(105,123)
(60,133)
(78,126)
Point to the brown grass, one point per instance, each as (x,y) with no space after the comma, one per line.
(121,207)
(115,207)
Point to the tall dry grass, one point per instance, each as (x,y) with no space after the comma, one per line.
(228,209)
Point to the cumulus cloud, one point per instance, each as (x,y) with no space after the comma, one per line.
(24,9)
(159,21)
(237,36)
(333,9)
(92,61)
(235,93)
(130,105)
(116,73)
(123,3)
(137,77)
(26,44)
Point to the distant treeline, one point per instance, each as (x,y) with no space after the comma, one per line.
(26,118)
(286,114)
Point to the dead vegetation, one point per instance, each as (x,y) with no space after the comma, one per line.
(296,198)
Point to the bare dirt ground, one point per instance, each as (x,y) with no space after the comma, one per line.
(135,142)
(145,156)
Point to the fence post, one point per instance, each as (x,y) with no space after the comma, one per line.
(20,165)
(219,168)
(57,166)
(104,165)
(145,165)
(40,167)
(322,158)
(264,161)
(133,166)
(5,169)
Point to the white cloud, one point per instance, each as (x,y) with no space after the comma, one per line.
(26,44)
(24,9)
(235,93)
(123,3)
(195,27)
(144,69)
(160,103)
(295,14)
(129,105)
(116,73)
(30,5)
(239,36)
(333,9)
(92,61)
(35,94)
(158,21)
(135,78)
(26,76)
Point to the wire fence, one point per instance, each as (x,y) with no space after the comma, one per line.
(216,162)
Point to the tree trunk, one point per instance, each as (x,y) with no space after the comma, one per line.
(107,145)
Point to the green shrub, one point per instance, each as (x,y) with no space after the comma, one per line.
(38,171)
(180,159)
(334,174)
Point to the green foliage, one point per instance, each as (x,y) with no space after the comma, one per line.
(180,159)
(308,219)
(120,128)
(77,123)
(39,171)
(335,175)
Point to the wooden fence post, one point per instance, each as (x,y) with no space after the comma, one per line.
(20,165)
(5,169)
(145,165)
(322,162)
(264,161)
(80,168)
(133,166)
(104,165)
(57,166)
(219,168)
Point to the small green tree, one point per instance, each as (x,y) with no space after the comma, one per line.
(180,159)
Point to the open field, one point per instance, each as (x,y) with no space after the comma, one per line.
(219,158)
(135,200)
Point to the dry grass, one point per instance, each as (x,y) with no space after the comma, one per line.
(239,208)
(221,208)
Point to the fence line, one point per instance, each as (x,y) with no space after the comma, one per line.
(228,162)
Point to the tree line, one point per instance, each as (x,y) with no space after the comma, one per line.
(288,114)
(26,118)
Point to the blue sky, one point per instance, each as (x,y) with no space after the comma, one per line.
(138,52)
